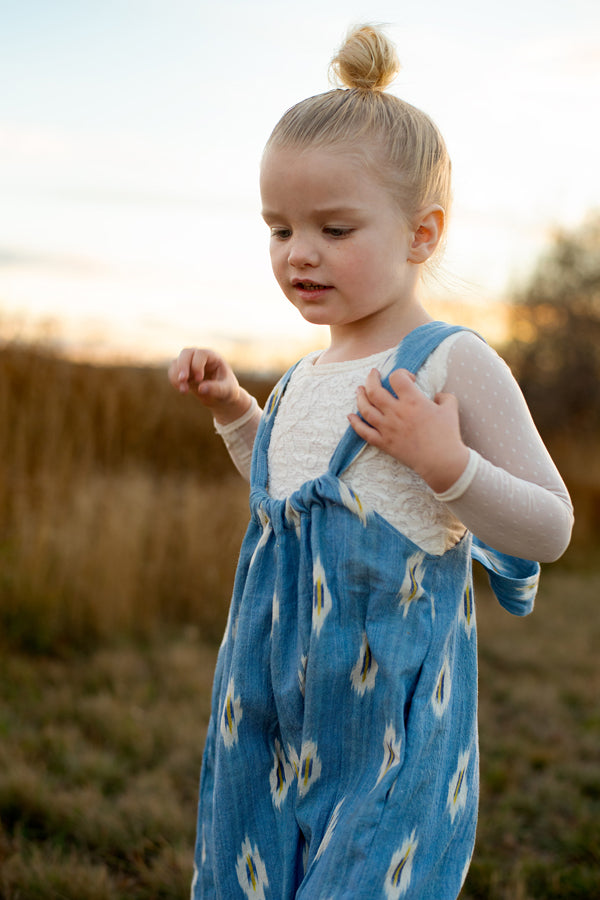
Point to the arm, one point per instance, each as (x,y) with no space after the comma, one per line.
(477,448)
(239,436)
(512,469)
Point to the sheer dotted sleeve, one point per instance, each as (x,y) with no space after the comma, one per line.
(511,494)
(239,436)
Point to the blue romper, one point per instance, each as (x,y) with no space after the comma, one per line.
(341,758)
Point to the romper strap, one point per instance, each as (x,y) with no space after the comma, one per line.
(410,354)
(514,581)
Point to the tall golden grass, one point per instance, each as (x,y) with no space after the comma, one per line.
(119,510)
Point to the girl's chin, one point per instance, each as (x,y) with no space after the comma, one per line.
(315,317)
(313,312)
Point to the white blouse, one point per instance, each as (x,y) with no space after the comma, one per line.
(510,495)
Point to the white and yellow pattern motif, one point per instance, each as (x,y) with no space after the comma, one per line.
(411,589)
(467,609)
(251,872)
(272,402)
(309,767)
(352,501)
(281,776)
(321,597)
(399,874)
(441,694)
(364,672)
(392,747)
(458,788)
(231,716)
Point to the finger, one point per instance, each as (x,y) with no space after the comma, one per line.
(374,391)
(185,363)
(199,365)
(364,430)
(444,399)
(179,370)
(189,369)
(401,380)
(373,383)
(366,408)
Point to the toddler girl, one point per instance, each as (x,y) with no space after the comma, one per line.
(341,759)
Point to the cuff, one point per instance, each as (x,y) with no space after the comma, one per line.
(250,413)
(463,481)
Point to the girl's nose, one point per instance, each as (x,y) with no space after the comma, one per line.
(302,252)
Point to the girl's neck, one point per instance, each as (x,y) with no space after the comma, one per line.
(352,344)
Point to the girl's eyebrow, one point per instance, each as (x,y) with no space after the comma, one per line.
(337,210)
(320,211)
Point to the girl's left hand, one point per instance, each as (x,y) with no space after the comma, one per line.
(422,434)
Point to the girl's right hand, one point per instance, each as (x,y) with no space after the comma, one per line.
(207,375)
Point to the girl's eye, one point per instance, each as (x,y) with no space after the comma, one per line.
(281,234)
(337,232)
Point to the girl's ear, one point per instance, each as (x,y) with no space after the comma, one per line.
(427,234)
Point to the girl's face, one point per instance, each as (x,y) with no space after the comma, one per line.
(340,249)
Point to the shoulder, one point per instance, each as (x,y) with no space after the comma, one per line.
(458,348)
(470,358)
(464,355)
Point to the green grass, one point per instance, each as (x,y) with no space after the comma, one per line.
(539,827)
(100,755)
(99,761)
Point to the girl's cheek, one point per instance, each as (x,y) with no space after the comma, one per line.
(276,262)
(278,257)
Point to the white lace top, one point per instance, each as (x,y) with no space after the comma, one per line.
(510,495)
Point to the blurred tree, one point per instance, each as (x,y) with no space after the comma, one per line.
(555,345)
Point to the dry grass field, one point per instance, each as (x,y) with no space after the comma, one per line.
(120,519)
(118,509)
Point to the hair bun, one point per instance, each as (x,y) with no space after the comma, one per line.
(366,60)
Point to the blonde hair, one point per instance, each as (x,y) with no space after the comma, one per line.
(402,143)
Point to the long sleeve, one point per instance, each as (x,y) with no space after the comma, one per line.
(239,437)
(511,494)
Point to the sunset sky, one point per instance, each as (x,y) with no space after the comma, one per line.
(131,134)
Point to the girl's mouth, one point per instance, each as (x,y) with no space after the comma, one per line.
(309,286)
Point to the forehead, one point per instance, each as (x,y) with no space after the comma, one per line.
(323,176)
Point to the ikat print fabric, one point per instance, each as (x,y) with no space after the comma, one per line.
(342,759)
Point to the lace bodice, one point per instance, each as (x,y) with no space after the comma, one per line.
(315,407)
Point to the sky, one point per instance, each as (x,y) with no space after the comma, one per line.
(130,140)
